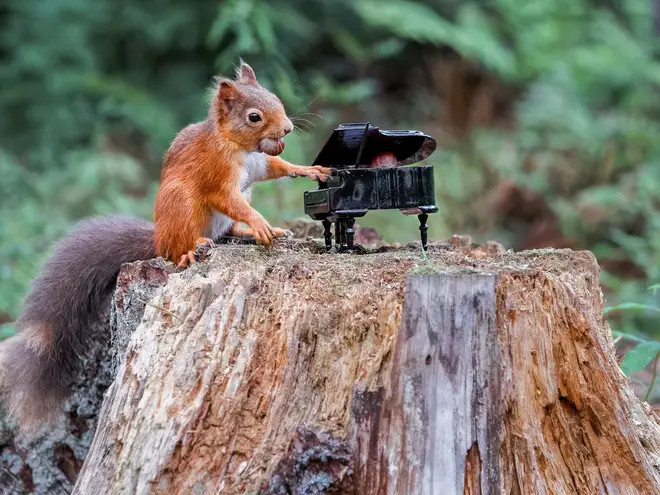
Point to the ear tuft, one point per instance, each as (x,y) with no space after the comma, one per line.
(245,74)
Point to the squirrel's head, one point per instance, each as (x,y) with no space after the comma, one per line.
(249,114)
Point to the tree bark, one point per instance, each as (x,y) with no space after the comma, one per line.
(290,371)
(478,371)
(50,463)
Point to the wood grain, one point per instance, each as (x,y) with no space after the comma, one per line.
(296,372)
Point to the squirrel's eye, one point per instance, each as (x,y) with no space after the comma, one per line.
(254,117)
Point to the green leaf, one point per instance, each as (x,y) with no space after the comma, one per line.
(628,336)
(388,48)
(264,28)
(349,45)
(630,305)
(637,358)
(476,39)
(653,288)
(472,36)
(411,20)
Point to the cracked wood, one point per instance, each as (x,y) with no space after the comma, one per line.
(493,374)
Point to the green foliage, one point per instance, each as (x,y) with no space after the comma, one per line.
(93,93)
(586,132)
(39,208)
(640,356)
(470,34)
(627,306)
(644,351)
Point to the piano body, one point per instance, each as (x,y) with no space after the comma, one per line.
(371,175)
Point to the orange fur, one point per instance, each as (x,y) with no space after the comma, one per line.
(238,231)
(202,168)
(278,168)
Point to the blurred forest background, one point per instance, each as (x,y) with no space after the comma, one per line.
(546,113)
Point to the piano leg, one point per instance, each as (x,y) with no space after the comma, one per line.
(423,228)
(350,233)
(342,229)
(338,236)
(327,234)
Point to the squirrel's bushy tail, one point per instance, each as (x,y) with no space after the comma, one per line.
(66,300)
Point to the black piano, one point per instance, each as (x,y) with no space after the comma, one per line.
(372,175)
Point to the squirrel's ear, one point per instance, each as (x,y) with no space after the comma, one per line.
(227,93)
(245,74)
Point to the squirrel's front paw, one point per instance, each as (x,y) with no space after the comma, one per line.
(278,232)
(262,231)
(315,172)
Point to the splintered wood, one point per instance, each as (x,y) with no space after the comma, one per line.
(479,372)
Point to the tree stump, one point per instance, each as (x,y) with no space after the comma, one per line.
(294,371)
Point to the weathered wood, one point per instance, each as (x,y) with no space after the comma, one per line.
(505,383)
(571,421)
(444,397)
(298,372)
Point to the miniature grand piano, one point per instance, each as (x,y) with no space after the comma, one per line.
(372,175)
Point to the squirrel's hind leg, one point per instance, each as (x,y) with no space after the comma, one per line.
(203,242)
(186,260)
(189,258)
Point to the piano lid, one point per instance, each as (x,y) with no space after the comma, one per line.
(357,144)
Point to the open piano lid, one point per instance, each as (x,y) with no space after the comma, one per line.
(356,145)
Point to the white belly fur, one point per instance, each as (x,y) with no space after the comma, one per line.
(254,169)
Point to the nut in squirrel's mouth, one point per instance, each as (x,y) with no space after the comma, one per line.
(271,146)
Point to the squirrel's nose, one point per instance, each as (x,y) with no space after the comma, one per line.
(288,127)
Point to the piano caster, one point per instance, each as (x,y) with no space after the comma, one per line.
(423,228)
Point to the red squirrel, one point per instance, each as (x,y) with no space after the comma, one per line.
(204,193)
